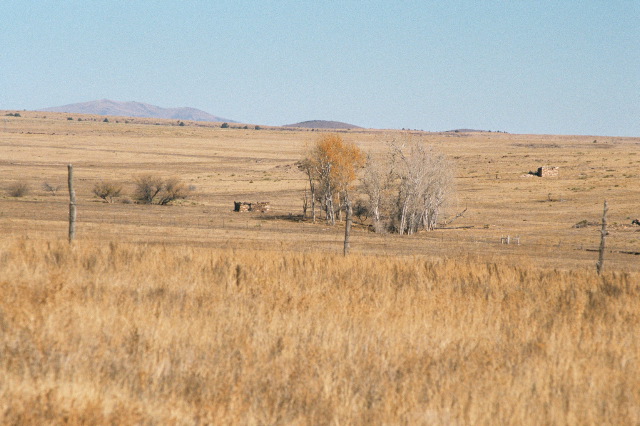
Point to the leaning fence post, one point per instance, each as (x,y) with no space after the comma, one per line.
(603,234)
(72,205)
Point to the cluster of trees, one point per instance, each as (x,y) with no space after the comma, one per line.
(402,191)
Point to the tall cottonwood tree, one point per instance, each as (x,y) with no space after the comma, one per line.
(331,166)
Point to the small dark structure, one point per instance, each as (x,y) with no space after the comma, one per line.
(547,171)
(242,206)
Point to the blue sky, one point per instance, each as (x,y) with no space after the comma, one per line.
(555,67)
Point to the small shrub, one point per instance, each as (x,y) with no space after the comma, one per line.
(154,189)
(53,189)
(173,189)
(360,210)
(18,189)
(225,125)
(106,120)
(69,118)
(107,190)
(584,224)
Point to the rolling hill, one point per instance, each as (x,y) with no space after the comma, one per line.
(322,124)
(136,109)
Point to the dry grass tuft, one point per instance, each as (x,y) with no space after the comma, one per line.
(124,333)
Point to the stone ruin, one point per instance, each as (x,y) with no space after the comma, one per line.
(547,171)
(261,206)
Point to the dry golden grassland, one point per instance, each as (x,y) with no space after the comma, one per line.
(190,313)
(125,333)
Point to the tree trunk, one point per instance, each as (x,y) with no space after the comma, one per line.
(347,225)
(305,204)
(331,214)
(312,189)
(377,226)
(72,205)
(403,217)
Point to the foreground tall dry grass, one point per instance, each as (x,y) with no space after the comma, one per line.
(116,333)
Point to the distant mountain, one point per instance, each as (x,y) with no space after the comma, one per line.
(136,109)
(322,124)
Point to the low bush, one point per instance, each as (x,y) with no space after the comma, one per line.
(107,190)
(152,189)
(18,189)
(53,189)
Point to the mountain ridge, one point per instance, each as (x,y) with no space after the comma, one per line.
(136,109)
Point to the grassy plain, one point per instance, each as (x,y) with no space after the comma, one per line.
(121,333)
(226,165)
(192,313)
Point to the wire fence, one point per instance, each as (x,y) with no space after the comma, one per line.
(277,224)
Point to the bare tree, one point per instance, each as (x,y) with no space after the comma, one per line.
(416,178)
(438,188)
(377,184)
(308,167)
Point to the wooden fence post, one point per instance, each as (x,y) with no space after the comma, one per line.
(603,234)
(347,226)
(72,205)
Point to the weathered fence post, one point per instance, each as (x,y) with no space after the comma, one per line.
(347,226)
(72,205)
(603,234)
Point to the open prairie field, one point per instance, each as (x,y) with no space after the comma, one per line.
(226,165)
(122,333)
(193,314)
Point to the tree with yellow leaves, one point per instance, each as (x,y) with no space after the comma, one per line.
(331,165)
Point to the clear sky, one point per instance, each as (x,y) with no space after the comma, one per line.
(528,66)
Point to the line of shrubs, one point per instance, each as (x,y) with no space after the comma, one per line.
(149,189)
